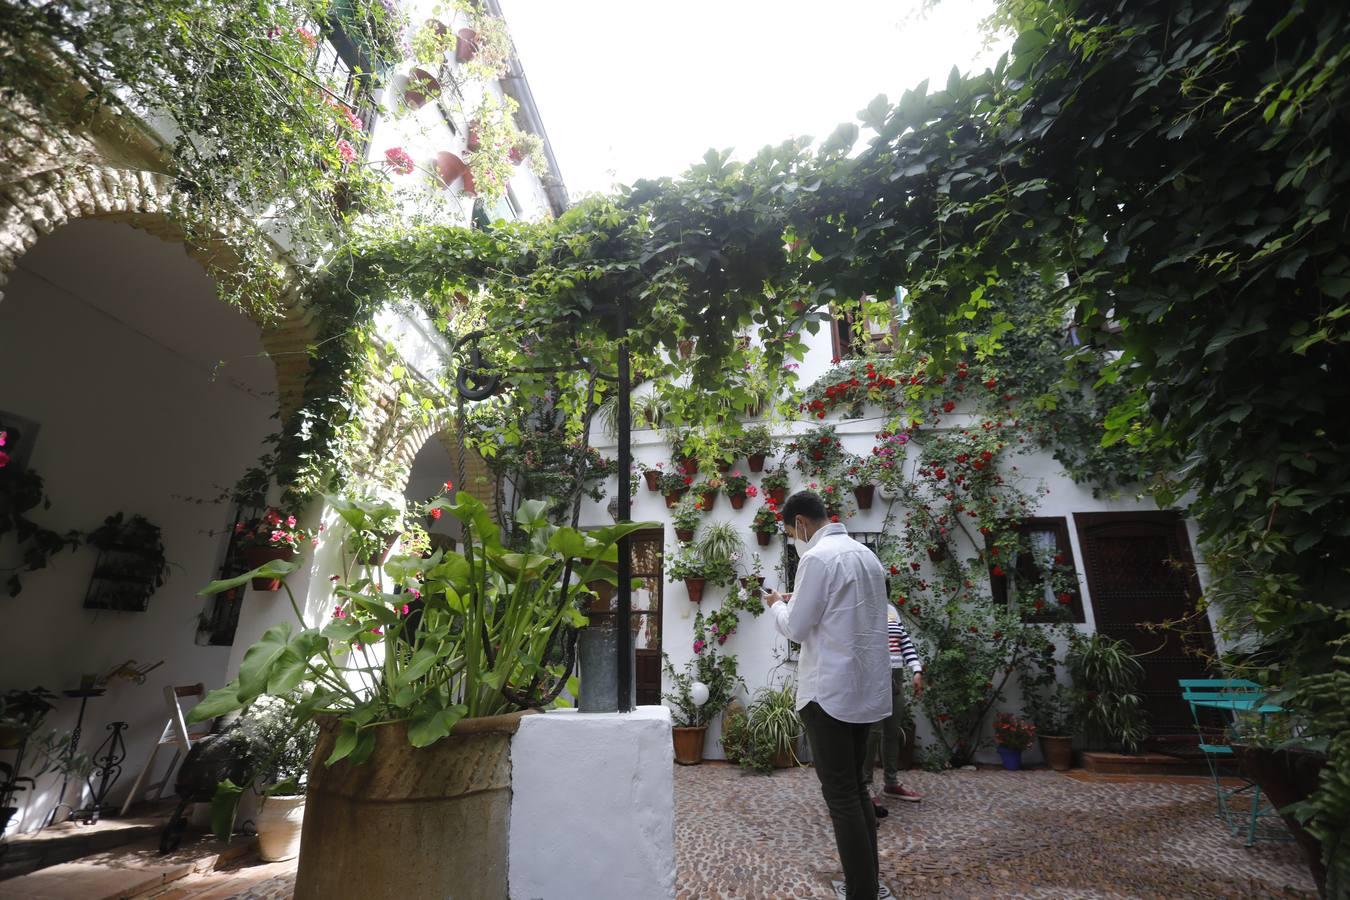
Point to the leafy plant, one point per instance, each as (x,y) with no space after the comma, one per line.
(774,719)
(716,670)
(721,546)
(489,621)
(1012,732)
(686,516)
(743,747)
(767,519)
(757,439)
(1107,708)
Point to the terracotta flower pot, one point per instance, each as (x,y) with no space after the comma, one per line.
(863,494)
(756,462)
(689,744)
(653,480)
(778,495)
(689,464)
(451,801)
(257,556)
(421,87)
(473,142)
(450,168)
(737,499)
(468,184)
(695,588)
(377,557)
(709,500)
(1058,752)
(686,348)
(466,44)
(685,535)
(763,538)
(784,759)
(724,466)
(673,498)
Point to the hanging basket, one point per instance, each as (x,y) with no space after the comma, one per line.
(421,87)
(685,535)
(756,462)
(450,168)
(689,464)
(695,588)
(863,494)
(673,497)
(653,480)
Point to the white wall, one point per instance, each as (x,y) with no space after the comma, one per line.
(759,649)
(110,339)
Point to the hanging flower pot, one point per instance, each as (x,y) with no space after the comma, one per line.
(695,588)
(450,168)
(756,461)
(709,500)
(724,466)
(422,85)
(474,141)
(778,495)
(752,581)
(686,347)
(863,494)
(689,464)
(763,538)
(737,499)
(653,478)
(466,44)
(673,497)
(468,183)
(684,534)
(256,556)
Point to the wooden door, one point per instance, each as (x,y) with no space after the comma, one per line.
(645,622)
(1139,572)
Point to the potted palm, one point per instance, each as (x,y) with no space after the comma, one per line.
(466,643)
(1107,709)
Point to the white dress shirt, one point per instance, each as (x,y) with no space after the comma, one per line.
(838,615)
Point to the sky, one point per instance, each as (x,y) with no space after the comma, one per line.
(642,88)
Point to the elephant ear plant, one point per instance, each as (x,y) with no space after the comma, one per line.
(430,641)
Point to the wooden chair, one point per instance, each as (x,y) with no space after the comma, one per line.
(175,733)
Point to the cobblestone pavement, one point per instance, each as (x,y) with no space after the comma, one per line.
(977,834)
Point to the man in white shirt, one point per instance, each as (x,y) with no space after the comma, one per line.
(838,614)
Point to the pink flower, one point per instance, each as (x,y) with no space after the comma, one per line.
(352,119)
(290,521)
(417,595)
(346,151)
(376,630)
(698,646)
(307,36)
(399,160)
(339,613)
(278,536)
(405,609)
(4,459)
(4,436)
(752,491)
(238,527)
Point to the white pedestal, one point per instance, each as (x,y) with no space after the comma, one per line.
(593,806)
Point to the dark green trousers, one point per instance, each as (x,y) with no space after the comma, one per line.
(838,750)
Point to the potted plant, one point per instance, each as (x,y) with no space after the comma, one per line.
(1051,709)
(270,537)
(652,475)
(860,474)
(421,86)
(484,46)
(751,751)
(1012,735)
(698,695)
(686,517)
(687,565)
(446,702)
(53,754)
(675,485)
(775,485)
(765,524)
(686,347)
(774,721)
(721,548)
(450,168)
(1107,707)
(757,444)
(285,744)
(131,564)
(818,451)
(707,490)
(738,487)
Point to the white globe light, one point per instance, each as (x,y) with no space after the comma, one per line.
(699,693)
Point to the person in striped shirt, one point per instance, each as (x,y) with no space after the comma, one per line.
(887,734)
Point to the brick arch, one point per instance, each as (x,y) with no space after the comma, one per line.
(442,425)
(35,206)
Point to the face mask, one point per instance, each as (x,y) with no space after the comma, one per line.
(799,545)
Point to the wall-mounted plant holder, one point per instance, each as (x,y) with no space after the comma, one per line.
(130,565)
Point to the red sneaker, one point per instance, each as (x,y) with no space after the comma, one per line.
(899,790)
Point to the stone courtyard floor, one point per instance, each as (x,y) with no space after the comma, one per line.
(977,834)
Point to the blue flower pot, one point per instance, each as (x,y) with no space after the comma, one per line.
(1012,759)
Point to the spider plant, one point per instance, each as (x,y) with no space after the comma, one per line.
(721,545)
(1107,708)
(774,720)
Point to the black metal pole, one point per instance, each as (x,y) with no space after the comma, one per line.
(624,638)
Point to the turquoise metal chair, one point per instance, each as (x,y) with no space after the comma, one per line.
(1231,696)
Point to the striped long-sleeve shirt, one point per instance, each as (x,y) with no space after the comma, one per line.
(902,647)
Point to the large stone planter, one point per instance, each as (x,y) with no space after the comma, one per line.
(410,823)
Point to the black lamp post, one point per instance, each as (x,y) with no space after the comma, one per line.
(474,382)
